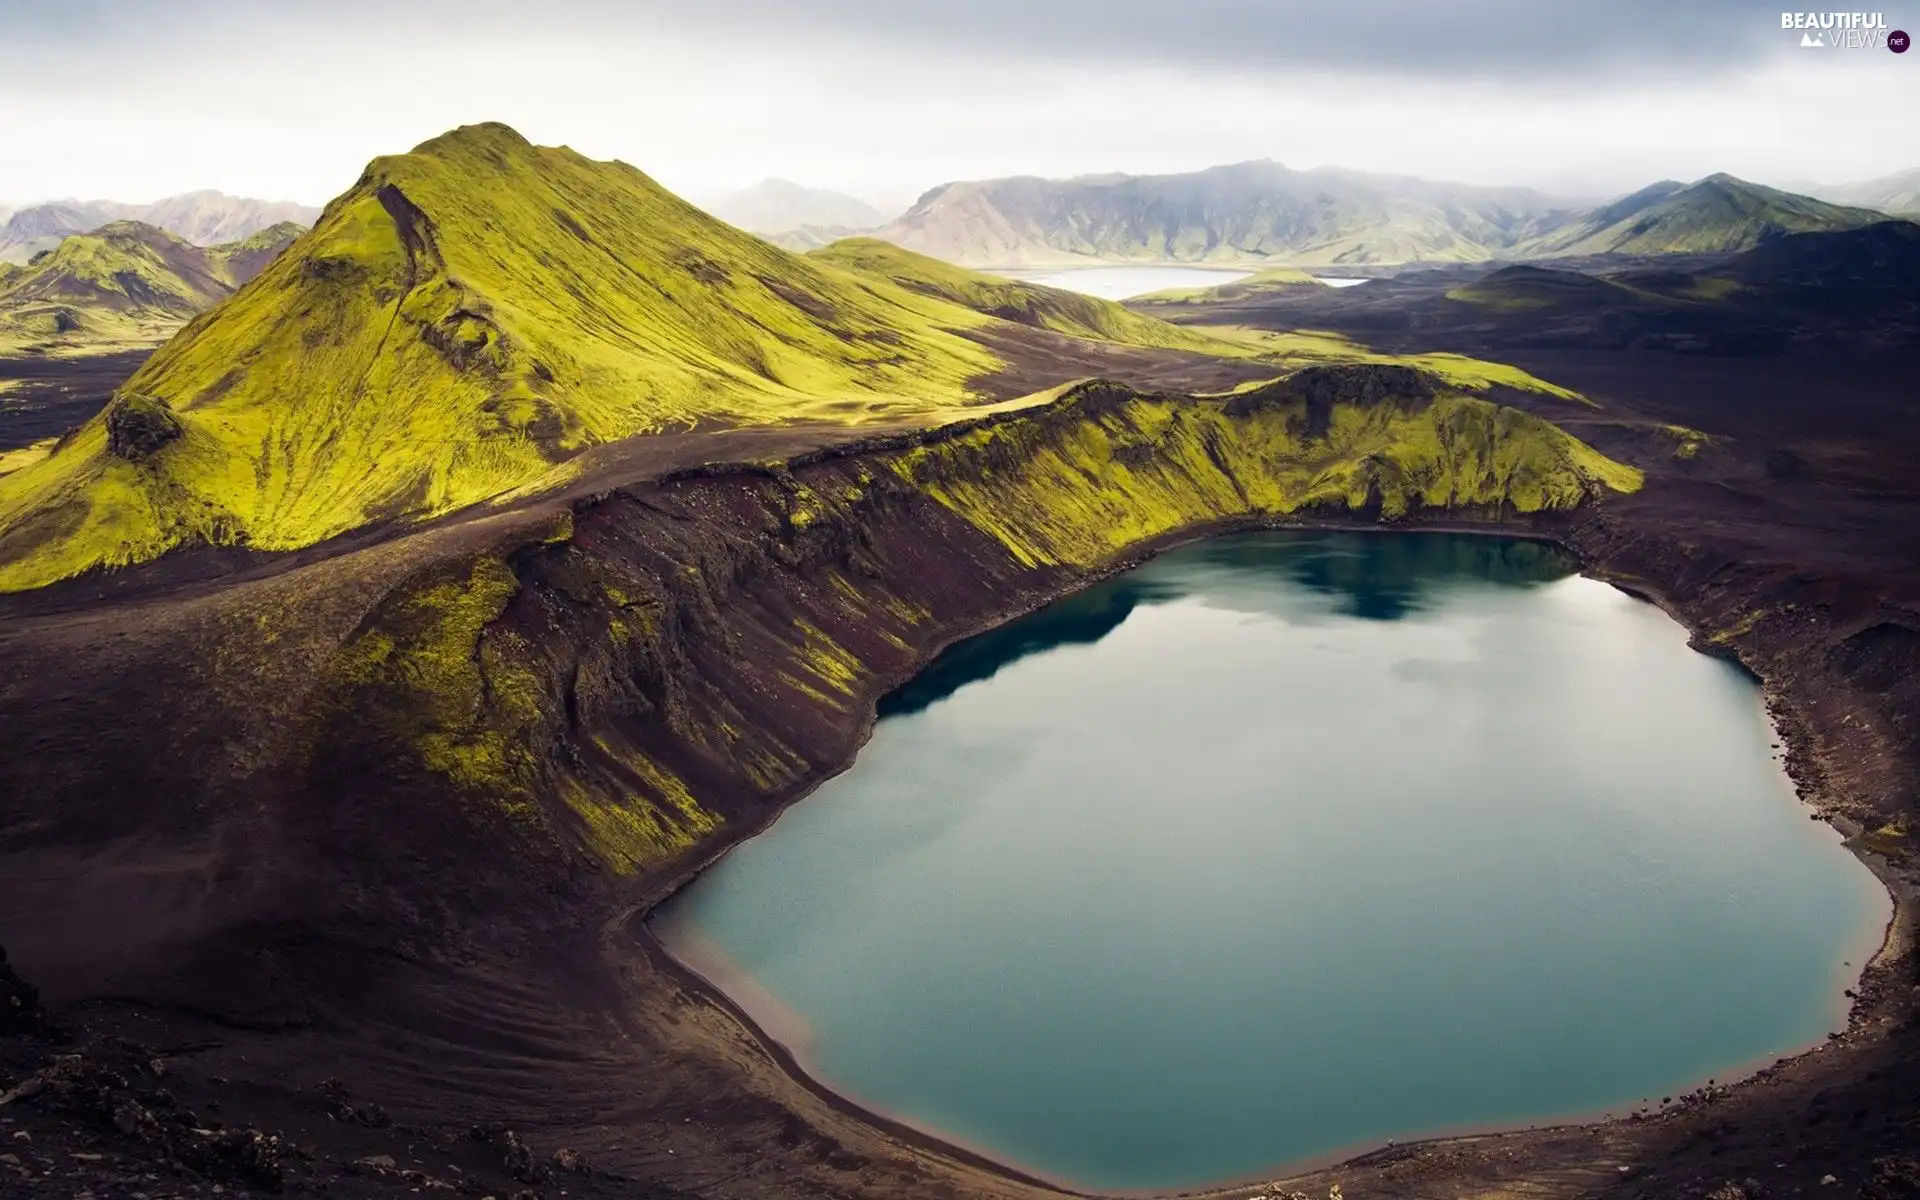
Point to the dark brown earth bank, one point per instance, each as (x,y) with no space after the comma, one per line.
(331,874)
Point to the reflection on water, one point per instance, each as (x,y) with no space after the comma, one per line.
(1374,578)
(1292,842)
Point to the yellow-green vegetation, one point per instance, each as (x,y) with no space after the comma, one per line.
(437,671)
(1715,214)
(1739,629)
(1132,470)
(1889,840)
(470,316)
(24,456)
(525,701)
(124,286)
(1260,283)
(1711,290)
(424,646)
(464,318)
(1522,289)
(1308,347)
(1024,303)
(1687,443)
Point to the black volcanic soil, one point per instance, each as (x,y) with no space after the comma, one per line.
(44,397)
(251,920)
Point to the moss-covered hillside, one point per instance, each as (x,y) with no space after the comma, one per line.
(125,285)
(1254,286)
(471,316)
(464,318)
(514,678)
(1718,213)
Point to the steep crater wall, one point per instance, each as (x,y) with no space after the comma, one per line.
(682,654)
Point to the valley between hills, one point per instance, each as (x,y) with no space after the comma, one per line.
(455,585)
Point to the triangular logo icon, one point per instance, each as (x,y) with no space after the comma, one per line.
(1816,40)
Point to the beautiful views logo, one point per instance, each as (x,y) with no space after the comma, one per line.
(1844,31)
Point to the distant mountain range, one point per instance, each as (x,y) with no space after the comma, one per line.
(204,218)
(1898,193)
(122,286)
(1265,213)
(796,217)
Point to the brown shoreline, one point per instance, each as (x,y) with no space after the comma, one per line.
(638,925)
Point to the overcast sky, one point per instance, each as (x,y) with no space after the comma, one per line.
(135,99)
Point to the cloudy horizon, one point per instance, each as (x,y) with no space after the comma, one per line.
(115,100)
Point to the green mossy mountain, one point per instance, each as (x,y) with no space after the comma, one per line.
(1717,214)
(205,218)
(124,285)
(470,318)
(1519,288)
(461,323)
(1263,213)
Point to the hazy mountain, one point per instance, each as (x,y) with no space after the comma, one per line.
(204,218)
(811,237)
(1249,212)
(209,218)
(124,285)
(1898,193)
(780,206)
(1719,213)
(1264,213)
(39,227)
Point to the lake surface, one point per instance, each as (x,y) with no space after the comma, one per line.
(1292,843)
(1124,283)
(1121,283)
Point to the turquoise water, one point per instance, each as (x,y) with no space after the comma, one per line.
(1284,844)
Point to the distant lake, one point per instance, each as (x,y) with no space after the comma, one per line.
(1286,844)
(1124,283)
(1120,283)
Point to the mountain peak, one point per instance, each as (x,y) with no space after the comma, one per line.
(478,133)
(459,322)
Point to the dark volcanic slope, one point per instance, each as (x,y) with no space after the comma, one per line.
(375,846)
(1857,288)
(387,813)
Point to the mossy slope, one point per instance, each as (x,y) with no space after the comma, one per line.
(472,315)
(819,576)
(124,285)
(466,316)
(1716,214)
(1254,286)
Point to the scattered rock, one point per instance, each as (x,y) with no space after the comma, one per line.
(1892,1178)
(378,1162)
(20,1009)
(140,426)
(572,1161)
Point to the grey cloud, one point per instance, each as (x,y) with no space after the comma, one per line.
(1521,40)
(1480,39)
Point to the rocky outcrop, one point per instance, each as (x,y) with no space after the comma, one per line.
(140,426)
